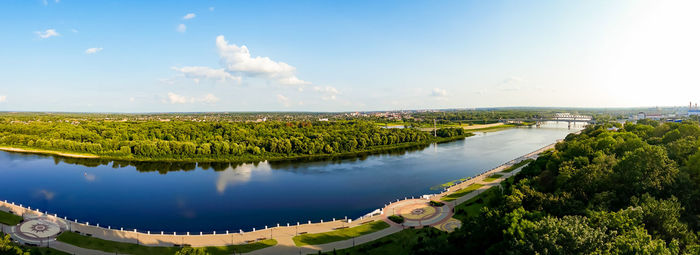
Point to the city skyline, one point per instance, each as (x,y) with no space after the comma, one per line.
(128,56)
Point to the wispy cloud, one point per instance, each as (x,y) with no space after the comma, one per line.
(238,59)
(327,92)
(197,73)
(47,33)
(211,9)
(3,98)
(510,84)
(181,28)
(93,50)
(438,92)
(283,100)
(180,99)
(189,16)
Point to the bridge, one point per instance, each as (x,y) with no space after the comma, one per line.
(559,117)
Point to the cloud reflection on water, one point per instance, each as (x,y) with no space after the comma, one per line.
(240,174)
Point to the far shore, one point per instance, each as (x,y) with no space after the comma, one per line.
(476,127)
(64,154)
(242,160)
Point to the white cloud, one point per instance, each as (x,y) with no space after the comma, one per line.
(211,9)
(132,99)
(283,100)
(328,92)
(74,30)
(202,72)
(93,50)
(209,99)
(438,92)
(181,28)
(48,33)
(180,99)
(510,84)
(189,16)
(3,99)
(238,59)
(177,99)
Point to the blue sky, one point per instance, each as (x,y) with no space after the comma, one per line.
(146,56)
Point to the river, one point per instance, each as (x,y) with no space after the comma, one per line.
(220,197)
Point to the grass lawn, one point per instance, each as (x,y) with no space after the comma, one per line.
(518,165)
(43,251)
(462,192)
(447,184)
(130,248)
(339,235)
(9,219)
(493,177)
(398,243)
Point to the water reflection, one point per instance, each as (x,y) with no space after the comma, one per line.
(239,175)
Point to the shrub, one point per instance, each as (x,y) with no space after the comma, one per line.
(396,218)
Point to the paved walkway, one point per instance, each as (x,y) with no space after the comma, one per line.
(437,216)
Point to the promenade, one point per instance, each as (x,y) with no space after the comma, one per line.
(416,211)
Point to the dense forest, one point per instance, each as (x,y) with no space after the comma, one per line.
(211,140)
(632,190)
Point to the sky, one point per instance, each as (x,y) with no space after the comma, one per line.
(193,56)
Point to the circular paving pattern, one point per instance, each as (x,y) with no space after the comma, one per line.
(450,225)
(416,211)
(39,229)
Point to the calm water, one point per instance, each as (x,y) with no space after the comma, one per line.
(206,197)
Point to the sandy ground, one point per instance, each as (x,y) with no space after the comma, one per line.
(48,152)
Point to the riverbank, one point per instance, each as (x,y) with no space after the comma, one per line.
(47,152)
(247,159)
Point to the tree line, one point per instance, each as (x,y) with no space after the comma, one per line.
(210,140)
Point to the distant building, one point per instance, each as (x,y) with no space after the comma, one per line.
(695,112)
(324,119)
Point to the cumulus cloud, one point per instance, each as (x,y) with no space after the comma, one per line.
(3,99)
(328,92)
(283,100)
(438,92)
(181,28)
(180,99)
(238,59)
(177,99)
(47,33)
(197,73)
(189,16)
(93,50)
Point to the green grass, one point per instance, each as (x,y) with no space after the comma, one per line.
(462,192)
(517,165)
(339,235)
(134,249)
(44,251)
(447,184)
(9,219)
(493,177)
(401,242)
